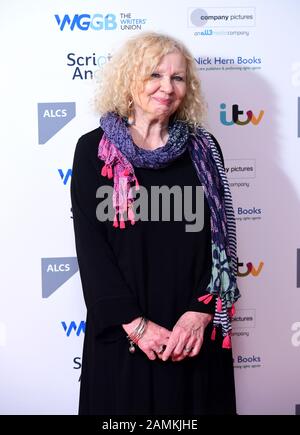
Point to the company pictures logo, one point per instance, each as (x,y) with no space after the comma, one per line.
(242,322)
(244,168)
(235,113)
(55,272)
(52,117)
(240,172)
(219,21)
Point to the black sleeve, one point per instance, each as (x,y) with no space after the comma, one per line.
(108,299)
(199,306)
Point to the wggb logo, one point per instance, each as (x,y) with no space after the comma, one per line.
(65,175)
(72,326)
(87,22)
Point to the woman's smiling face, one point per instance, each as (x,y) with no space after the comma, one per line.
(164,91)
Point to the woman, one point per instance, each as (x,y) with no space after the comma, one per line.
(159,298)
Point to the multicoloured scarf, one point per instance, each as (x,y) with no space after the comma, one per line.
(121,155)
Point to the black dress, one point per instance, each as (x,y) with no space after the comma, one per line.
(155,269)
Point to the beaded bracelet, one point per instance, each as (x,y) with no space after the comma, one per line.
(135,336)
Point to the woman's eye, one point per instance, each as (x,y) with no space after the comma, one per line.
(155,75)
(178,78)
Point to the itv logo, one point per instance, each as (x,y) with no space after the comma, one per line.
(250,269)
(235,116)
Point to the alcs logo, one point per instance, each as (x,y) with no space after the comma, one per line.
(52,117)
(87,21)
(235,116)
(55,272)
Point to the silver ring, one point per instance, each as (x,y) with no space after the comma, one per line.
(187,349)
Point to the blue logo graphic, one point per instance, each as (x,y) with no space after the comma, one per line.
(55,272)
(87,21)
(52,117)
(65,177)
(73,327)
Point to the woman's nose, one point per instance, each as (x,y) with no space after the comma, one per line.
(166,85)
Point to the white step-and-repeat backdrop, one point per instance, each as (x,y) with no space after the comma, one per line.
(249,62)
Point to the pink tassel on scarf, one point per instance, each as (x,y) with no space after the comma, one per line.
(109,172)
(116,166)
(104,171)
(122,222)
(213,334)
(205,299)
(231,311)
(219,305)
(131,216)
(227,342)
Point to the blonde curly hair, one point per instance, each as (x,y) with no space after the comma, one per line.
(133,65)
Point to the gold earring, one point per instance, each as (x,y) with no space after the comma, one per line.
(130,119)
